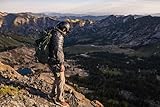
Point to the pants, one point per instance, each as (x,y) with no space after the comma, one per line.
(58,85)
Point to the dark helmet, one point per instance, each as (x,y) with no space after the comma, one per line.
(64,26)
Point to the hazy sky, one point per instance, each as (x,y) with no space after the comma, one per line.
(82,6)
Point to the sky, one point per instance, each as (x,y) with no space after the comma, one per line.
(100,7)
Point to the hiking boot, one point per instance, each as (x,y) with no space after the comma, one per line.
(61,103)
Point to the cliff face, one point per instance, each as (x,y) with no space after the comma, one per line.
(21,89)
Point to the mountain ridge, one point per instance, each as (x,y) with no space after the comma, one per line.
(125,31)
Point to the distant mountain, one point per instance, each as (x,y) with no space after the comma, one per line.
(25,23)
(63,16)
(94,18)
(156,14)
(125,31)
(130,31)
(31,23)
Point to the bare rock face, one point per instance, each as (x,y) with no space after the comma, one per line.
(1,22)
(25,23)
(2,14)
(8,72)
(20,21)
(81,101)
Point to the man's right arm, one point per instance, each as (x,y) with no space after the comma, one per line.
(58,50)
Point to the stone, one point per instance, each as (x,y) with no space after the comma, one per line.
(8,72)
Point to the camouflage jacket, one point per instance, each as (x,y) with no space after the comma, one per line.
(56,53)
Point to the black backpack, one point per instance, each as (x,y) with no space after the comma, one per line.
(42,46)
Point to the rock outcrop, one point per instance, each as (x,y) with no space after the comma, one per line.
(8,72)
(31,90)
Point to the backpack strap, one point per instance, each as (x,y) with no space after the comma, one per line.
(56,29)
(48,32)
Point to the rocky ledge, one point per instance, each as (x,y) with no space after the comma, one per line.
(31,90)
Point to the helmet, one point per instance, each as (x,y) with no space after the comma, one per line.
(64,26)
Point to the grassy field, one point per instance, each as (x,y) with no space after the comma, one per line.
(144,51)
(153,49)
(82,49)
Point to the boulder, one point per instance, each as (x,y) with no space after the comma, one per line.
(7,71)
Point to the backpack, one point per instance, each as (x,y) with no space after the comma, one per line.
(42,47)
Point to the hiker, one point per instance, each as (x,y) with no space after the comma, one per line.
(56,61)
